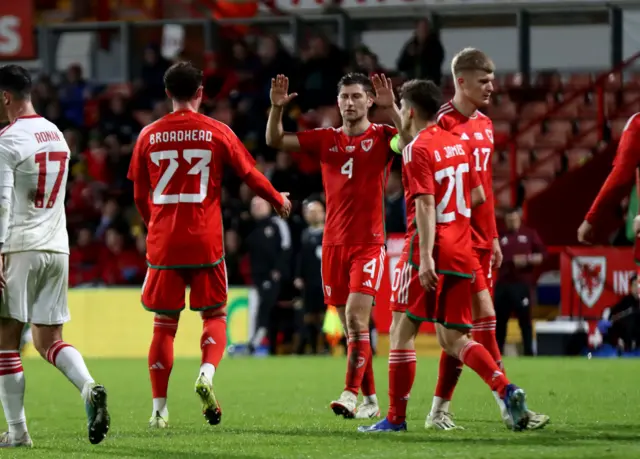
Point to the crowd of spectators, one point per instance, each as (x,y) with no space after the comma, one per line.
(100,124)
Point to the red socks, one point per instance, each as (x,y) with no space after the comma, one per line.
(368,381)
(214,339)
(449,371)
(358,353)
(161,355)
(484,332)
(402,373)
(476,357)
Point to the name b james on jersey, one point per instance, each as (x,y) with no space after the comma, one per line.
(34,153)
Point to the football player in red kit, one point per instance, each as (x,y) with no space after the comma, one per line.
(473,76)
(617,185)
(355,160)
(176,169)
(433,279)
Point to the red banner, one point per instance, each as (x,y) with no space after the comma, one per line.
(16,29)
(593,279)
(382,313)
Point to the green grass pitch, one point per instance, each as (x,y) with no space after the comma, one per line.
(279,408)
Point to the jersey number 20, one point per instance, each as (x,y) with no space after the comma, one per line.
(44,160)
(201,167)
(454,183)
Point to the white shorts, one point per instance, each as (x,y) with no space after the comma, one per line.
(36,291)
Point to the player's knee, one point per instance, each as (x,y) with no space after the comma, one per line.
(10,334)
(451,340)
(403,331)
(483,305)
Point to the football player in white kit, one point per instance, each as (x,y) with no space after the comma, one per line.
(34,243)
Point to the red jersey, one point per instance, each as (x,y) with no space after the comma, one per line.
(477,134)
(437,163)
(354,175)
(621,177)
(180,159)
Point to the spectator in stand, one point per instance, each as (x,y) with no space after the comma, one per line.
(83,259)
(323,65)
(395,218)
(367,62)
(117,119)
(72,94)
(111,218)
(151,85)
(284,175)
(245,64)
(53,112)
(120,264)
(523,251)
(274,60)
(423,55)
(232,257)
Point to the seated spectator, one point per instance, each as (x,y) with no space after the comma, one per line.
(119,264)
(83,259)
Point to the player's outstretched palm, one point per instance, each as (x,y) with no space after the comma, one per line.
(384,91)
(279,93)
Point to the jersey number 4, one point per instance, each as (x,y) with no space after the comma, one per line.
(454,183)
(45,166)
(201,168)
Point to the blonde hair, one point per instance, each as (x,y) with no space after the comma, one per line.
(471,59)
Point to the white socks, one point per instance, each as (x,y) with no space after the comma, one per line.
(208,370)
(160,406)
(439,404)
(12,392)
(69,361)
(372,399)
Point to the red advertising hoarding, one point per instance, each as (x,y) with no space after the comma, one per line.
(16,30)
(593,279)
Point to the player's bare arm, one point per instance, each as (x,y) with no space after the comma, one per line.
(280,97)
(6,194)
(385,99)
(478,196)
(426,224)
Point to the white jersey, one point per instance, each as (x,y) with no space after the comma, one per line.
(34,159)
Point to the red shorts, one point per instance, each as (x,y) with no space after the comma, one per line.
(449,304)
(482,272)
(164,290)
(351,269)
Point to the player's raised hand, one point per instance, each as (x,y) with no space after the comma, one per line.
(585,233)
(427,273)
(285,210)
(636,225)
(279,93)
(384,91)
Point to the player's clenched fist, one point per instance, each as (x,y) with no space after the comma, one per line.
(285,209)
(427,273)
(279,93)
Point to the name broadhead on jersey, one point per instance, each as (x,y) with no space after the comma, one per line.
(354,174)
(35,152)
(477,134)
(179,161)
(436,163)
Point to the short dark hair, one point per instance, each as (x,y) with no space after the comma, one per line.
(424,96)
(16,80)
(182,81)
(356,78)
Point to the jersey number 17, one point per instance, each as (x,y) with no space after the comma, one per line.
(45,162)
